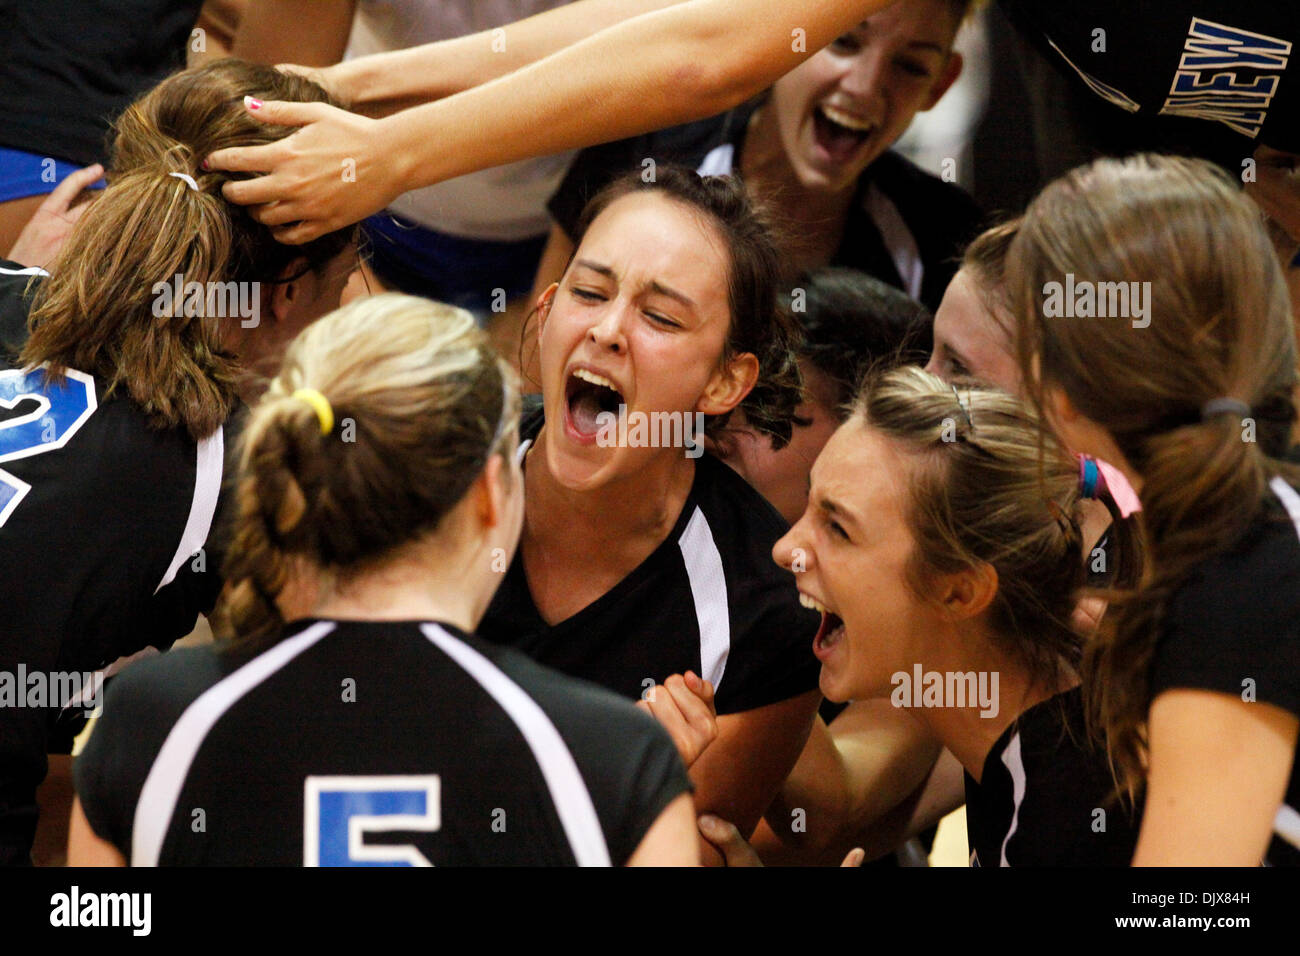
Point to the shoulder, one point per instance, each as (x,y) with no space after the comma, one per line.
(687,144)
(919,193)
(769,641)
(17,285)
(626,762)
(1237,617)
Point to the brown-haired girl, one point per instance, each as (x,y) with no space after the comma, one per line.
(641,560)
(111,463)
(944,559)
(1195,679)
(378,481)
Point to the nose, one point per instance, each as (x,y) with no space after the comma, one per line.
(792,551)
(608,332)
(863,80)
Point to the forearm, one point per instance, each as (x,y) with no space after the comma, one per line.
(271,31)
(689,61)
(384,83)
(849,779)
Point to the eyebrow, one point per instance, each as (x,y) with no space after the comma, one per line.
(656,287)
(829,506)
(928,45)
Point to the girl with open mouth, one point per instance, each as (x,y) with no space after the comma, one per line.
(933,543)
(640,562)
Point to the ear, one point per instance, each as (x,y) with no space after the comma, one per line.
(728,385)
(1059,407)
(285,296)
(968,593)
(544,303)
(490,493)
(943,83)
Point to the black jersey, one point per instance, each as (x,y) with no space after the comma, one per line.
(1208,77)
(1044,797)
(103,526)
(708,599)
(413,744)
(1234,627)
(905,227)
(71,66)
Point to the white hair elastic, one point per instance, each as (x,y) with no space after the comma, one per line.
(189,180)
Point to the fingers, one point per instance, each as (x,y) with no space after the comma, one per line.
(248,159)
(728,840)
(65,192)
(286,113)
(687,714)
(855,857)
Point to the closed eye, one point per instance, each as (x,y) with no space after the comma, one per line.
(663,320)
(587,294)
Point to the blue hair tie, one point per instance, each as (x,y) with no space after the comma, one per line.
(1089,477)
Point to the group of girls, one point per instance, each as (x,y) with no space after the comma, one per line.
(402,539)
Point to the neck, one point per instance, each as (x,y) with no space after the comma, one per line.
(640,504)
(765,166)
(970,732)
(441,587)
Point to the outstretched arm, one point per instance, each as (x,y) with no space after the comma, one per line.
(685,62)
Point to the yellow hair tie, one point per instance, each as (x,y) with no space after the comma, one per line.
(320,404)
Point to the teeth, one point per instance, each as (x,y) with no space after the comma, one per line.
(815,605)
(847,120)
(594,379)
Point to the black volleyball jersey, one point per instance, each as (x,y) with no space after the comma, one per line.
(708,599)
(71,66)
(905,226)
(1044,798)
(1210,77)
(1234,627)
(412,744)
(103,525)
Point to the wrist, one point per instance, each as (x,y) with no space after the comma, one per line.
(401,149)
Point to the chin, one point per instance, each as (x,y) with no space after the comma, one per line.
(831,688)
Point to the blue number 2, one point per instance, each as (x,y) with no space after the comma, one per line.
(340,811)
(60,410)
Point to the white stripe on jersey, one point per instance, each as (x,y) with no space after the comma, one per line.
(1290,500)
(709,589)
(162,788)
(1287,822)
(33,271)
(1011,758)
(568,791)
(899,241)
(208,462)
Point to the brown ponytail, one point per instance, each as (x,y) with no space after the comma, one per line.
(419,402)
(1219,327)
(96,311)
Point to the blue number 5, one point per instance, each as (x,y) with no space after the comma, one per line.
(340,811)
(60,410)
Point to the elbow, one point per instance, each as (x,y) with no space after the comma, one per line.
(713,76)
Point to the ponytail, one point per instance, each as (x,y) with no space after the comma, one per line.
(417,404)
(108,308)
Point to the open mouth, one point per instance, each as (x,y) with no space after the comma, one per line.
(832,626)
(840,134)
(587,396)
